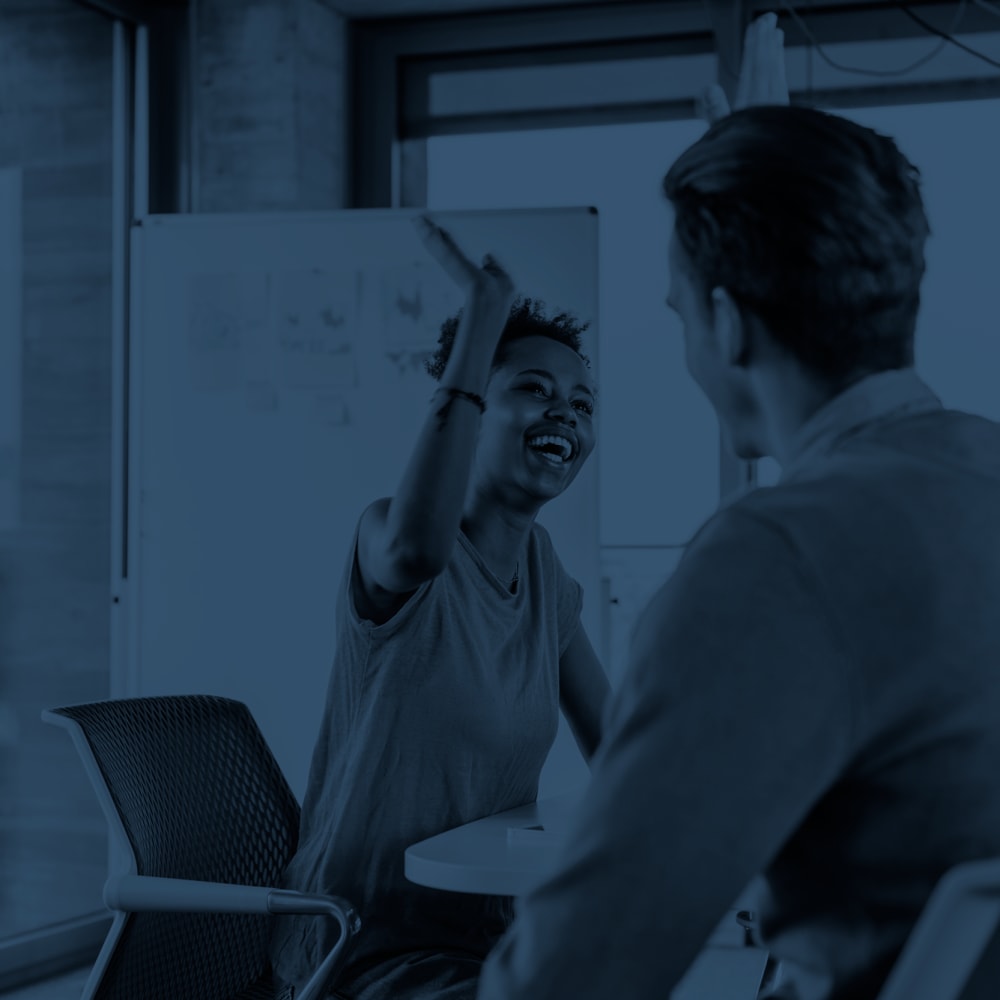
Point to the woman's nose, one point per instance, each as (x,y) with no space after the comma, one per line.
(562,410)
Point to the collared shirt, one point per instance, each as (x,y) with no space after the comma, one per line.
(812,696)
(882,396)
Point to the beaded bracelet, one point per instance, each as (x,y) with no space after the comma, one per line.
(454,394)
(463,394)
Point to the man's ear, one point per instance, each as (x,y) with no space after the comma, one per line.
(732,333)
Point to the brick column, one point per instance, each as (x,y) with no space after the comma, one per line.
(269,105)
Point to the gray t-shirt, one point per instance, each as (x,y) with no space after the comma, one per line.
(440,716)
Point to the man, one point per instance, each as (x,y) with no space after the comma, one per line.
(814,694)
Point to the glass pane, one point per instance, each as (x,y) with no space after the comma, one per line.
(887,62)
(658,444)
(633,576)
(644,82)
(568,85)
(957,148)
(55,440)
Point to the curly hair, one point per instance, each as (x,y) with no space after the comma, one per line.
(527,319)
(812,223)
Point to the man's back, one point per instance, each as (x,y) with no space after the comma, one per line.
(900,520)
(812,695)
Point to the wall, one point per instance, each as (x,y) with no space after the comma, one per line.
(270,105)
(55,131)
(269,133)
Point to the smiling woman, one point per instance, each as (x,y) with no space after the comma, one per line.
(541,402)
(458,640)
(541,367)
(527,322)
(658,437)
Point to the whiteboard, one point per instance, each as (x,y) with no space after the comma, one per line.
(276,388)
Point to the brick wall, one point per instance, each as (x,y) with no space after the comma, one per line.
(55,126)
(269,114)
(269,105)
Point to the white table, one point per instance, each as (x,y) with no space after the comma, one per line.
(501,855)
(506,854)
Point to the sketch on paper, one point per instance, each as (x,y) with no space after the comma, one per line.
(262,396)
(227,317)
(331,410)
(416,300)
(315,325)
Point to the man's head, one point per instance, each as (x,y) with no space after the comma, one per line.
(798,248)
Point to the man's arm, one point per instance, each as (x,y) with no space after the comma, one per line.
(733,719)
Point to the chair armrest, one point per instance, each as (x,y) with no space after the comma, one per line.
(136,893)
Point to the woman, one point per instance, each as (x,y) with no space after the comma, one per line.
(458,638)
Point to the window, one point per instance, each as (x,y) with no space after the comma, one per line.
(956,146)
(658,435)
(609,71)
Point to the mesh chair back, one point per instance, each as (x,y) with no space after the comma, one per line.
(200,796)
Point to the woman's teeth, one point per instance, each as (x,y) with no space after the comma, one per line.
(540,441)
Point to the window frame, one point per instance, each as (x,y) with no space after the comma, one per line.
(393,60)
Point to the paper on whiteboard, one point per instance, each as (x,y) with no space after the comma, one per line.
(331,410)
(416,300)
(262,396)
(227,319)
(315,323)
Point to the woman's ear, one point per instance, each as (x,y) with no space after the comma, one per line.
(732,334)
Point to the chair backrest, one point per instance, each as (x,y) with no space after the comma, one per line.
(953,952)
(190,786)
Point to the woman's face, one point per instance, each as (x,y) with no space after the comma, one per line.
(538,428)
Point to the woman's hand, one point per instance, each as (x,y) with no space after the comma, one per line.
(409,538)
(489,291)
(762,72)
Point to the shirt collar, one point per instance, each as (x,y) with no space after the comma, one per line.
(895,393)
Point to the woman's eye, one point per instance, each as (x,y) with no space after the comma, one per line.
(585,406)
(536,387)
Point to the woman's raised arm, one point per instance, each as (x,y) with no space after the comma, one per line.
(407,539)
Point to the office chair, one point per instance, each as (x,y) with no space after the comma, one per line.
(953,951)
(207,822)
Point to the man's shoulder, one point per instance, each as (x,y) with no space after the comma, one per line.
(761,518)
(744,548)
(773,534)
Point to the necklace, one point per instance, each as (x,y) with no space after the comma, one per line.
(513,583)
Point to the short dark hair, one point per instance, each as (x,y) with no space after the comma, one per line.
(527,319)
(812,223)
